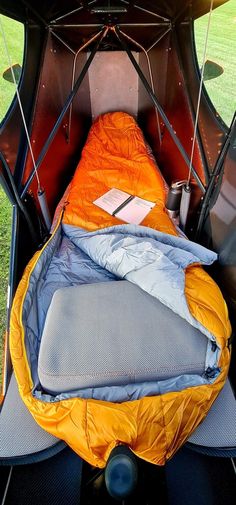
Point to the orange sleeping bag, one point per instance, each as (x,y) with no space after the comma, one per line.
(115,156)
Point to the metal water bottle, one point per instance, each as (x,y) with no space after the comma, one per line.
(174,198)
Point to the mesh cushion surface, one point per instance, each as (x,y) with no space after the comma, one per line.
(219,427)
(20,435)
(113,333)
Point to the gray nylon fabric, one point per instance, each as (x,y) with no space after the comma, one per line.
(130,392)
(61,264)
(114,333)
(20,435)
(64,263)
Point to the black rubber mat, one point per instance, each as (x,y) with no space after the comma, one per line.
(188,479)
(55,481)
(151,488)
(195,479)
(4,474)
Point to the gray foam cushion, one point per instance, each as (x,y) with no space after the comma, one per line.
(20,435)
(114,333)
(219,427)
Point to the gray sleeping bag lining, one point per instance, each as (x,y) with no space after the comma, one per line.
(76,365)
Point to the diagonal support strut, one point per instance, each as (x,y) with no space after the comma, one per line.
(159,108)
(63,112)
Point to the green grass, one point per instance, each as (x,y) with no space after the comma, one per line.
(15,40)
(5,239)
(14,33)
(221,49)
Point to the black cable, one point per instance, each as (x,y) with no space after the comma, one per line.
(215,174)
(18,200)
(159,108)
(61,115)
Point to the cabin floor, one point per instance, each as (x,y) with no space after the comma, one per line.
(189,479)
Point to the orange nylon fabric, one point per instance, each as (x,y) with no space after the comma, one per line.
(115,155)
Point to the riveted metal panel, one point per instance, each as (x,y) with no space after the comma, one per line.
(113,83)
